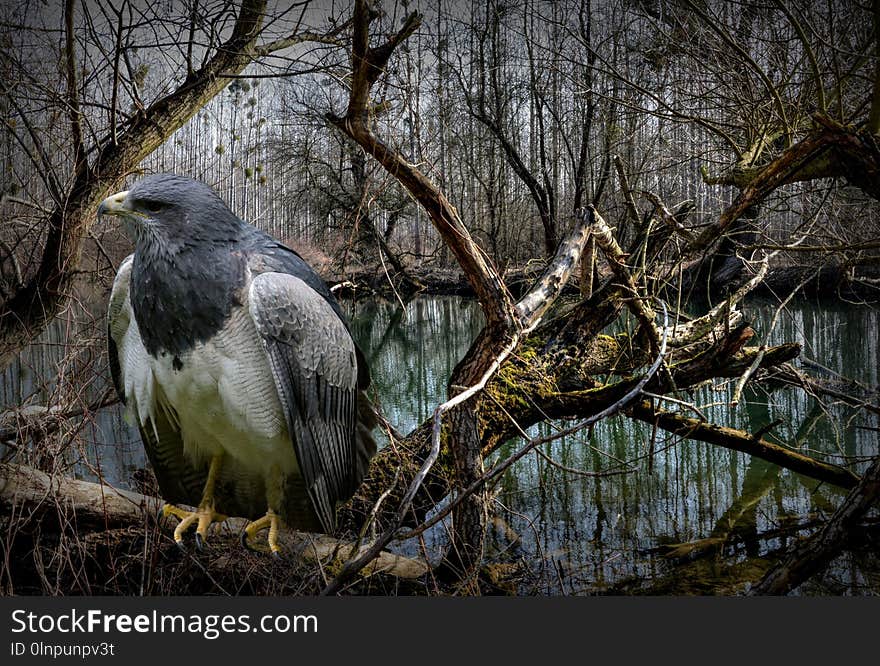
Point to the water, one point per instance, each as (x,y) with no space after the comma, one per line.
(581,535)
(557,532)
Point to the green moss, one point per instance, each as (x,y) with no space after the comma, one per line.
(520,381)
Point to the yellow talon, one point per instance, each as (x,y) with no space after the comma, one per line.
(270,521)
(176,511)
(204,515)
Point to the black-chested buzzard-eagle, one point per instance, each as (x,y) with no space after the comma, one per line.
(236,363)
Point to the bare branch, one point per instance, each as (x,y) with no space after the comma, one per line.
(805,159)
(612,409)
(27,311)
(72,89)
(625,188)
(330,37)
(737,440)
(367,65)
(814,553)
(715,26)
(874,115)
(671,219)
(99,506)
(369,554)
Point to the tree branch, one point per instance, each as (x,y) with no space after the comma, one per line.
(26,313)
(874,114)
(330,37)
(534,304)
(819,549)
(738,440)
(25,491)
(778,172)
(76,134)
(367,65)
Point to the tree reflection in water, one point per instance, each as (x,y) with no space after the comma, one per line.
(691,517)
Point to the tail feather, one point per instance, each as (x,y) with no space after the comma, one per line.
(365,443)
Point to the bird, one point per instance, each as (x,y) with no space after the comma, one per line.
(237,365)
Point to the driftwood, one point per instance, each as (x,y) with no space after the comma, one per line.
(25,491)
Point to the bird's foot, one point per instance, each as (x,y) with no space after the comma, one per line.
(201,517)
(270,521)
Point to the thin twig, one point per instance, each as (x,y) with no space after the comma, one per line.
(756,363)
(351,567)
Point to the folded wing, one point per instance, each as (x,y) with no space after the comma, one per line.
(314,365)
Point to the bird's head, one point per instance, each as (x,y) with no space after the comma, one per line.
(171,210)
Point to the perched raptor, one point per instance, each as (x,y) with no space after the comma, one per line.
(237,365)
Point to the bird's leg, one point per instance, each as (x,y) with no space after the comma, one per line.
(270,521)
(204,515)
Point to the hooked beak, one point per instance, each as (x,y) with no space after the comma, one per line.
(115,204)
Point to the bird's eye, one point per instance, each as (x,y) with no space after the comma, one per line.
(153,206)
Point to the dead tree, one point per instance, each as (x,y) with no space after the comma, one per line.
(521,371)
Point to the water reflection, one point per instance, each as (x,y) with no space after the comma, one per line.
(412,352)
(586,534)
(66,369)
(576,534)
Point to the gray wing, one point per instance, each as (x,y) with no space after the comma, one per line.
(178,480)
(312,356)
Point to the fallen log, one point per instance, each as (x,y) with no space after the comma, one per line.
(32,495)
(815,553)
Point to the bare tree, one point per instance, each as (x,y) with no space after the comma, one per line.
(513,375)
